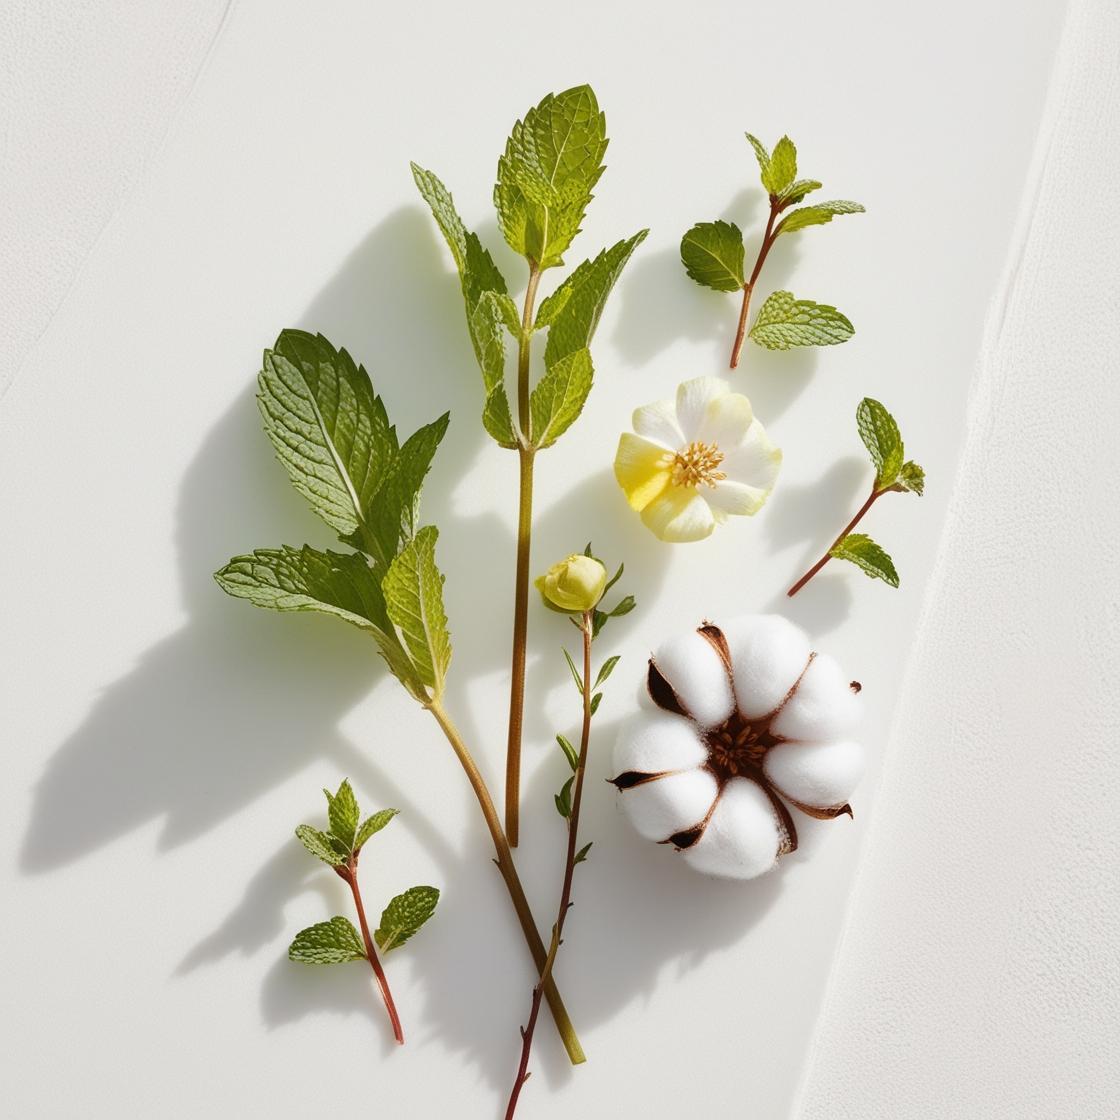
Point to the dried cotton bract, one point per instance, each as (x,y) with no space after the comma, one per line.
(748,723)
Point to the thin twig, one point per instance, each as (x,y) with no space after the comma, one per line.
(768,239)
(871,499)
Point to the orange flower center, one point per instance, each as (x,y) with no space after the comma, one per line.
(696,465)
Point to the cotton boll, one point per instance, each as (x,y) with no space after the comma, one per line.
(742,836)
(657,741)
(662,807)
(698,676)
(768,653)
(823,707)
(819,774)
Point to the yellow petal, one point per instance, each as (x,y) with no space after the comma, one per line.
(679,514)
(643,469)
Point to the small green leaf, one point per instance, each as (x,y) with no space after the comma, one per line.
(614,579)
(563,799)
(862,551)
(569,752)
(332,942)
(342,812)
(373,824)
(762,155)
(607,669)
(795,192)
(581,855)
(784,321)
(911,477)
(783,167)
(404,915)
(625,606)
(497,418)
(818,214)
(558,398)
(575,672)
(596,700)
(712,254)
(880,435)
(319,845)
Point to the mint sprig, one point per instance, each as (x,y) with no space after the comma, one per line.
(714,255)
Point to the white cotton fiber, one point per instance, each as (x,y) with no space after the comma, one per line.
(698,676)
(741,840)
(664,806)
(819,774)
(656,741)
(823,707)
(769,654)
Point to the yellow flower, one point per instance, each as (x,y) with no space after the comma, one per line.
(574,585)
(696,461)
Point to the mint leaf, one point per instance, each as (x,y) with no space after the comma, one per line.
(413,590)
(784,321)
(712,254)
(761,154)
(795,192)
(862,551)
(497,419)
(911,477)
(558,398)
(329,430)
(607,669)
(320,845)
(569,751)
(343,814)
(880,435)
(563,799)
(332,942)
(404,915)
(818,214)
(783,167)
(373,824)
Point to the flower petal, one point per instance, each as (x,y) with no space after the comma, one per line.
(742,838)
(697,675)
(693,398)
(754,461)
(725,421)
(662,807)
(735,498)
(822,707)
(768,654)
(643,469)
(677,514)
(819,774)
(658,422)
(652,742)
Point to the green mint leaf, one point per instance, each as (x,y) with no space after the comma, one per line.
(569,752)
(607,669)
(329,430)
(319,845)
(497,419)
(784,321)
(712,254)
(783,167)
(558,398)
(573,311)
(404,915)
(575,672)
(795,192)
(332,942)
(596,700)
(373,824)
(911,477)
(762,155)
(818,214)
(563,799)
(862,551)
(486,322)
(343,813)
(413,590)
(581,855)
(880,435)
(507,309)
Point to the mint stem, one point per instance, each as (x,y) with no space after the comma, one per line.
(872,497)
(768,239)
(569,873)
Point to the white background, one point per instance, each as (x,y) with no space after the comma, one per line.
(161,741)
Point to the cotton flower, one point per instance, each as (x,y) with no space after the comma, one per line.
(697,461)
(574,585)
(747,722)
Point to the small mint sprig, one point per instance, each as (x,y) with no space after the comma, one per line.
(337,941)
(714,255)
(894,473)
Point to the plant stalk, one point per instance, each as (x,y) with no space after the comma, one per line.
(513,882)
(871,499)
(569,872)
(768,239)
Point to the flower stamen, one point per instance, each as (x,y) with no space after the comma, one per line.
(696,465)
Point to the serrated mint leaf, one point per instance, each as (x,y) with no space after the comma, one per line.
(373,824)
(404,915)
(783,167)
(413,590)
(712,254)
(795,192)
(569,751)
(486,323)
(880,435)
(761,154)
(784,321)
(563,799)
(343,813)
(329,430)
(497,418)
(332,942)
(558,398)
(818,214)
(319,845)
(581,855)
(862,551)
(912,478)
(607,669)
(573,311)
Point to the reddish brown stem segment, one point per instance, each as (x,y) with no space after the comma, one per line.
(768,239)
(569,872)
(350,874)
(871,499)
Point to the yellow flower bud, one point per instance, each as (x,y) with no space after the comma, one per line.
(574,585)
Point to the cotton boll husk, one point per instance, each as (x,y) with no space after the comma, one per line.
(742,837)
(655,741)
(819,774)
(697,674)
(664,806)
(823,707)
(768,654)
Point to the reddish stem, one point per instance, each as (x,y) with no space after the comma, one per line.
(768,239)
(871,499)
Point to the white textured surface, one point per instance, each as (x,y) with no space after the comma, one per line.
(160,741)
(980,970)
